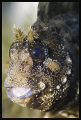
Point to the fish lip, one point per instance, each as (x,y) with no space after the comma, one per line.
(24,92)
(29,93)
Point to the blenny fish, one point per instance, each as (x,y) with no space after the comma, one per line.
(43,71)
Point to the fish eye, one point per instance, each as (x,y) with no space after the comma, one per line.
(38,52)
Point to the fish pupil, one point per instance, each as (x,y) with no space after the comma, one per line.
(37,52)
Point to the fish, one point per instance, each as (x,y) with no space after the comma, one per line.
(43,70)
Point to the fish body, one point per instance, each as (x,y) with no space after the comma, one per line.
(44,65)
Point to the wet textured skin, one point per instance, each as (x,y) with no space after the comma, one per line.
(44,64)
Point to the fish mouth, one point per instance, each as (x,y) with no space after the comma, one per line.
(24,95)
(24,92)
(21,92)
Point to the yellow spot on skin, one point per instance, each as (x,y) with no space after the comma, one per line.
(32,35)
(64,79)
(52,65)
(69,71)
(58,86)
(68,59)
(41,85)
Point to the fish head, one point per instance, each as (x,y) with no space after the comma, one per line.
(39,69)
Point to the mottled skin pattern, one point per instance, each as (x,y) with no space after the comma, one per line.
(48,78)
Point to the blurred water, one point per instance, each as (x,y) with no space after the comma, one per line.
(23,15)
